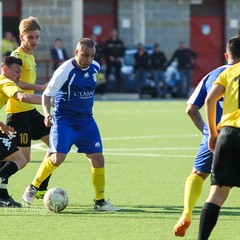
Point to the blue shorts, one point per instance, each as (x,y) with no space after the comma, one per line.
(203,160)
(86,137)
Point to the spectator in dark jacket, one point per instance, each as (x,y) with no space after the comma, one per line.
(114,50)
(58,53)
(141,66)
(185,58)
(158,63)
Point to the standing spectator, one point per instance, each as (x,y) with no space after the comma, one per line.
(158,63)
(141,66)
(9,43)
(58,53)
(114,50)
(185,58)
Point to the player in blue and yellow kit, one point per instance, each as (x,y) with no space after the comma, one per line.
(11,158)
(226,144)
(203,160)
(73,85)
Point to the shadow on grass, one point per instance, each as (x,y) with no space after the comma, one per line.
(127,211)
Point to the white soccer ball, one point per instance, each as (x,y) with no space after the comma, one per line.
(55,199)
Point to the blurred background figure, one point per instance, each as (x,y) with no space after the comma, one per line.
(141,66)
(185,58)
(58,53)
(99,58)
(9,43)
(114,50)
(158,63)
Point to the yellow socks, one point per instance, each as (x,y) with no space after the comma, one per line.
(98,181)
(45,169)
(193,189)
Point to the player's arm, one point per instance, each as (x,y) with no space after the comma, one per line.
(28,98)
(29,86)
(195,115)
(214,95)
(46,106)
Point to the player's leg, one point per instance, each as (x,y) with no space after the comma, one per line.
(40,132)
(11,160)
(61,141)
(210,210)
(193,187)
(45,169)
(92,147)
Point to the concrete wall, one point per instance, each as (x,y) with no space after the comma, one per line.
(166,22)
(146,21)
(56,17)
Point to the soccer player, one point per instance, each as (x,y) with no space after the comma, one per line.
(226,144)
(26,120)
(203,159)
(73,85)
(11,157)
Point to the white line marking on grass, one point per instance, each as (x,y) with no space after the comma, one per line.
(149,155)
(152,149)
(148,137)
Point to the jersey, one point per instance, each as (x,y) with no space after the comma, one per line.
(73,89)
(29,76)
(73,123)
(199,95)
(230,80)
(7,90)
(203,159)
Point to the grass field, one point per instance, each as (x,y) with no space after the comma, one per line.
(149,148)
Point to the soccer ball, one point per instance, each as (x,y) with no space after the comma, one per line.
(55,199)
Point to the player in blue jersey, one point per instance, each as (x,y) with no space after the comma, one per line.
(203,160)
(73,85)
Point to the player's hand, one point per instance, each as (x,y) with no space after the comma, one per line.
(48,120)
(212,142)
(9,131)
(42,87)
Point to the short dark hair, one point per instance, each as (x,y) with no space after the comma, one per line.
(10,60)
(87,42)
(233,46)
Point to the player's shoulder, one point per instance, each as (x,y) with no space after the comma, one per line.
(17,52)
(95,64)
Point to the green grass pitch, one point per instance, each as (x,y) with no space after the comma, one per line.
(149,148)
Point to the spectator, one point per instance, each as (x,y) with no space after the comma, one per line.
(9,44)
(185,58)
(98,57)
(141,66)
(58,53)
(114,50)
(158,63)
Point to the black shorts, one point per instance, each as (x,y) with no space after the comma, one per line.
(29,126)
(7,147)
(226,158)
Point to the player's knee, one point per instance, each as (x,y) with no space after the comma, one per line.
(57,159)
(20,160)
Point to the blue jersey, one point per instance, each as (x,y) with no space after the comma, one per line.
(203,159)
(200,93)
(73,123)
(73,89)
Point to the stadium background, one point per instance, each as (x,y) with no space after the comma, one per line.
(204,25)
